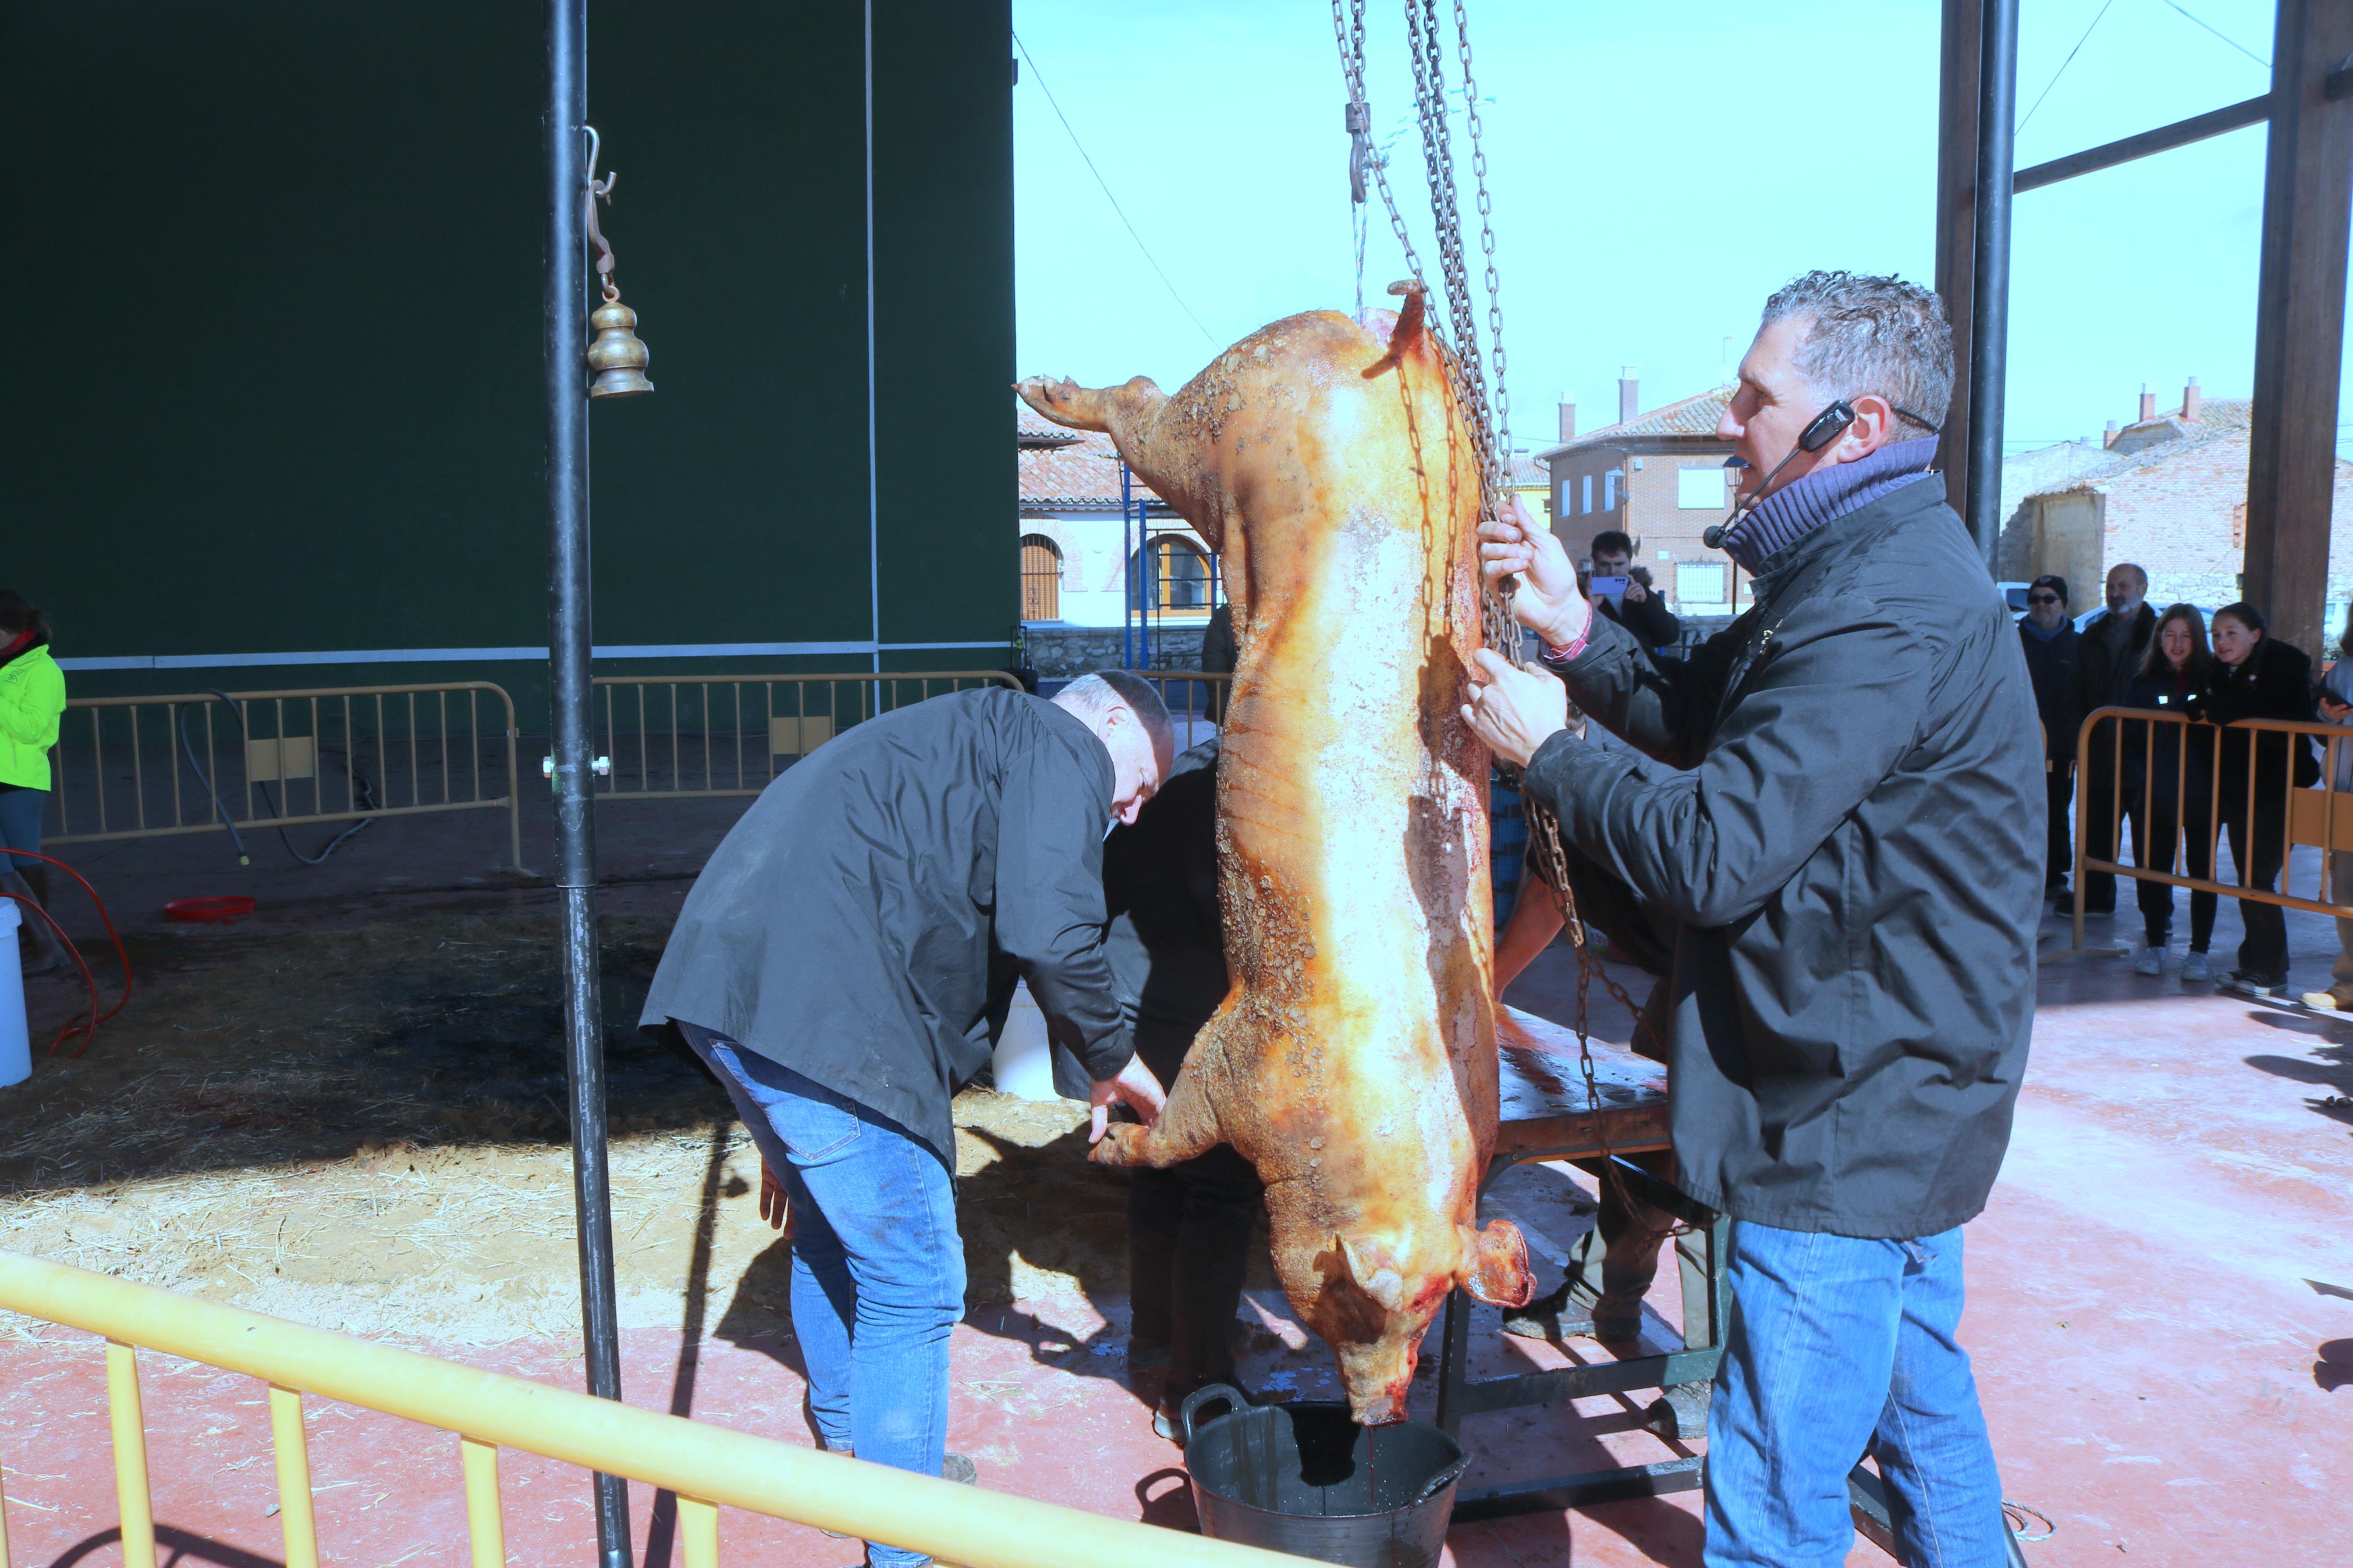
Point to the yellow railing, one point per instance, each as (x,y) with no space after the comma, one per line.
(1194,697)
(203,762)
(2313,818)
(703,1466)
(670,736)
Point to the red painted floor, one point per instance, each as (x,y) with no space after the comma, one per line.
(2161,1312)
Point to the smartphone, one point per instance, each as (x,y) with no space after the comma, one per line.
(1613,589)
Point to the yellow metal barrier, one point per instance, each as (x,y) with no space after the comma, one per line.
(152,767)
(705,1465)
(1196,698)
(673,736)
(2317,818)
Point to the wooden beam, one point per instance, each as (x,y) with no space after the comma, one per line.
(1957,154)
(2300,320)
(2181,134)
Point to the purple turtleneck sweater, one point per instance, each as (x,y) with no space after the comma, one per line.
(1796,509)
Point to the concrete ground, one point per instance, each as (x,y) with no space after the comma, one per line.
(2161,1295)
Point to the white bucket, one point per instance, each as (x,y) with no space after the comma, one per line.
(1024,1064)
(15,1038)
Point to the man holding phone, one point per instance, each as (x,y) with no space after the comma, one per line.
(1628,598)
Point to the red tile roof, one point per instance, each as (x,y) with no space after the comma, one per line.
(1691,416)
(1081,475)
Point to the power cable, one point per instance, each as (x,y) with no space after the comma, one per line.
(2226,38)
(1106,187)
(2065,64)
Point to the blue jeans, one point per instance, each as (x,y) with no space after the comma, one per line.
(1835,1346)
(20,827)
(878,1267)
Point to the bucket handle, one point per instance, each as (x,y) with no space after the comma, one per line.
(1441,1480)
(1209,1395)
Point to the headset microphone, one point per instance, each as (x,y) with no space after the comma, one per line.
(1824,428)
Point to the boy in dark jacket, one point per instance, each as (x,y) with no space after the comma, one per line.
(2048,637)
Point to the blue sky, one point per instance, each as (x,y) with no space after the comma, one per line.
(1656,171)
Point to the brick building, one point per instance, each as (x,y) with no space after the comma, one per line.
(2168,491)
(1659,479)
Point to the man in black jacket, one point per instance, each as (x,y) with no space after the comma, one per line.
(1639,609)
(2048,639)
(1838,804)
(2108,653)
(844,963)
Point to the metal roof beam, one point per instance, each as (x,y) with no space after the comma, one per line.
(2165,138)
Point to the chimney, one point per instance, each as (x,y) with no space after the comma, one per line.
(2147,404)
(2108,439)
(2190,401)
(1629,397)
(1567,417)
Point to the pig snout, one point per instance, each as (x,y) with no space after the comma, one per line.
(1378,1373)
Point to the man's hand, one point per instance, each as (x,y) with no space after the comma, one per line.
(1635,592)
(1548,603)
(1134,1088)
(775,1202)
(1514,710)
(2336,712)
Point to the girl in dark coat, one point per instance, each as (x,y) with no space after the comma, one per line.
(2259,676)
(2174,765)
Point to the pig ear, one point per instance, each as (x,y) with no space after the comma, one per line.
(1495,1265)
(1376,1271)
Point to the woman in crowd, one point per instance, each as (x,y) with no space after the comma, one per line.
(2259,676)
(2174,764)
(32,696)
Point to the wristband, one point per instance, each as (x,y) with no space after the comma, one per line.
(1562,655)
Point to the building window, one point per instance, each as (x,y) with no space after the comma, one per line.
(1699,582)
(1041,578)
(1588,494)
(1609,490)
(1176,576)
(1699,489)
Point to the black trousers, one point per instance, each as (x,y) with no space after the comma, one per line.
(2059,852)
(2163,824)
(2258,847)
(2101,818)
(1612,1266)
(1189,1234)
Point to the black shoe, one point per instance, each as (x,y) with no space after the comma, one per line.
(2261,987)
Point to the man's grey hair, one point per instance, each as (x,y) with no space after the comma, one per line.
(1108,688)
(1870,335)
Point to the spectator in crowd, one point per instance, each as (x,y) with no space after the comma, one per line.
(2169,770)
(2107,659)
(2259,676)
(1191,1227)
(2337,706)
(32,697)
(1640,611)
(2049,639)
(1218,641)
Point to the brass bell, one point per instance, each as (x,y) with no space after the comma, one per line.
(617,357)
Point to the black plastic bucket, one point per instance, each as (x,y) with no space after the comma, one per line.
(1306,1479)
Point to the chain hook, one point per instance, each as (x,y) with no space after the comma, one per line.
(600,190)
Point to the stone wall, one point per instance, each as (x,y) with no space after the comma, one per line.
(1062,652)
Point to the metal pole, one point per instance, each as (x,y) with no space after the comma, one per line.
(564,309)
(1135,567)
(1990,302)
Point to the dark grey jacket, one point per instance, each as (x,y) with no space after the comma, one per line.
(864,921)
(1842,805)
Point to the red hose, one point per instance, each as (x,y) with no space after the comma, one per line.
(88,1029)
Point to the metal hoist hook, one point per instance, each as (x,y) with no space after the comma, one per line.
(618,355)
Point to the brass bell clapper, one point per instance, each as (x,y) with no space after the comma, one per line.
(616,353)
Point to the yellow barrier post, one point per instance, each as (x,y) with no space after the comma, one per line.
(294,1508)
(4,1559)
(484,1526)
(973,1526)
(131,1497)
(697,1521)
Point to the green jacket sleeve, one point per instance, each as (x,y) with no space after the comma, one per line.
(30,704)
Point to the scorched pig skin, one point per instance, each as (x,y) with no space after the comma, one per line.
(1354,1060)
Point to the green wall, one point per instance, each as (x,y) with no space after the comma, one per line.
(272,276)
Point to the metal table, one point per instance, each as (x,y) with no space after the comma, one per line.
(1543,1114)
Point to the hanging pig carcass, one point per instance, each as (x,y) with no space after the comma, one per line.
(1354,1060)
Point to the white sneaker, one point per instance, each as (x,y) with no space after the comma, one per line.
(2196,966)
(2151,961)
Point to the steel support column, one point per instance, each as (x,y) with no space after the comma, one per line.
(1988,362)
(1956,240)
(2300,320)
(564,312)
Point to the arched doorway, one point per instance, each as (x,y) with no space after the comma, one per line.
(1041,578)
(1176,577)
